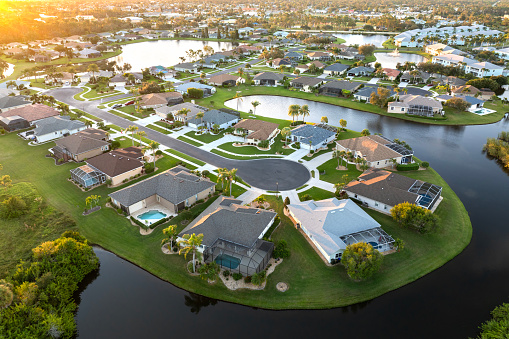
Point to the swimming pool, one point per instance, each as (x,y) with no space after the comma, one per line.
(152,215)
(374,244)
(227,261)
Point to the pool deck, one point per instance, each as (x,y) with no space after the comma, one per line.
(156,207)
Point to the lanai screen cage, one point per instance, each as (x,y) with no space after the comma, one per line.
(376,237)
(428,193)
(240,259)
(421,110)
(87,176)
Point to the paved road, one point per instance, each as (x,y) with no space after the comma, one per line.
(262,173)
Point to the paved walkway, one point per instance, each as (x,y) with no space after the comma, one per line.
(373,81)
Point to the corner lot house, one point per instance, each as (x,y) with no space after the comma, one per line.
(268,79)
(257,130)
(376,150)
(332,224)
(56,127)
(7,103)
(313,137)
(171,191)
(214,117)
(155,100)
(382,190)
(82,145)
(306,84)
(107,166)
(186,67)
(232,235)
(32,113)
(415,105)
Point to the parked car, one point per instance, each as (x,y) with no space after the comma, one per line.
(129,103)
(117,106)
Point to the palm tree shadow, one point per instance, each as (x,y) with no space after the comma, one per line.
(196,302)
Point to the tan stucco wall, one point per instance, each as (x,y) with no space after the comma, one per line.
(119,178)
(88,155)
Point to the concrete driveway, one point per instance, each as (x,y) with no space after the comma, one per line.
(267,174)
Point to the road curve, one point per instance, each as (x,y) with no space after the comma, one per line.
(267,174)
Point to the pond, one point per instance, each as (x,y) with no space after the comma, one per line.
(125,301)
(363,39)
(389,61)
(162,52)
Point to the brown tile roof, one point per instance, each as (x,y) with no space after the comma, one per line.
(159,98)
(467,89)
(33,112)
(260,129)
(219,79)
(317,64)
(113,165)
(79,143)
(318,54)
(130,152)
(391,72)
(371,146)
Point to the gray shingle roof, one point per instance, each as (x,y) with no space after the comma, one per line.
(175,185)
(342,85)
(227,219)
(366,91)
(9,102)
(336,67)
(307,81)
(269,76)
(215,117)
(80,143)
(56,124)
(315,134)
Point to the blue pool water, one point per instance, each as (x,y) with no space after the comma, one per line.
(374,244)
(152,215)
(227,261)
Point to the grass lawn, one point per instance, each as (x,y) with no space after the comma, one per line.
(187,157)
(335,176)
(95,95)
(237,190)
(131,110)
(277,147)
(88,115)
(240,157)
(159,129)
(205,138)
(115,127)
(316,193)
(122,115)
(312,283)
(453,118)
(190,141)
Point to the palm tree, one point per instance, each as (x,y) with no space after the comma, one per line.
(293,111)
(153,146)
(304,111)
(337,155)
(285,133)
(93,68)
(324,120)
(200,115)
(10,83)
(170,232)
(64,108)
(222,174)
(191,242)
(231,177)
(260,200)
(343,123)
(51,101)
(132,129)
(141,134)
(238,96)
(88,123)
(183,112)
(255,104)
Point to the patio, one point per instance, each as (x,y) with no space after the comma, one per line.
(152,207)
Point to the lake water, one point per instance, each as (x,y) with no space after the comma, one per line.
(9,70)
(162,52)
(124,301)
(363,39)
(388,61)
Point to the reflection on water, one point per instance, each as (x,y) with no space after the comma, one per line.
(388,61)
(196,302)
(363,39)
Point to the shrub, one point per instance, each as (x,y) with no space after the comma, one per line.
(115,144)
(297,145)
(247,279)
(281,250)
(237,276)
(259,278)
(425,164)
(159,152)
(361,260)
(209,271)
(263,144)
(205,173)
(412,216)
(149,168)
(195,93)
(226,273)
(408,167)
(306,197)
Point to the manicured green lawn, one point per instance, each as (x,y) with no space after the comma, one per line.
(237,190)
(205,138)
(312,283)
(88,115)
(316,193)
(122,115)
(335,176)
(240,157)
(131,110)
(187,157)
(190,141)
(276,147)
(95,95)
(159,129)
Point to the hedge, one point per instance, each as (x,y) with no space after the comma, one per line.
(408,167)
(145,227)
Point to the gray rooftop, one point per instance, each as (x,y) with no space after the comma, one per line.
(269,76)
(342,85)
(315,134)
(56,124)
(175,185)
(13,101)
(336,67)
(215,116)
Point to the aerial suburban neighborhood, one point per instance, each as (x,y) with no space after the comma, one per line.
(278,156)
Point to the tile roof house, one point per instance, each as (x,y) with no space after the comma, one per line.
(336,87)
(335,69)
(32,113)
(257,130)
(225,80)
(415,105)
(56,127)
(276,63)
(332,224)
(174,189)
(133,152)
(193,110)
(214,117)
(10,102)
(268,79)
(155,100)
(294,56)
(390,73)
(313,137)
(186,67)
(232,235)
(466,90)
(376,150)
(116,168)
(82,145)
(382,190)
(306,84)
(322,56)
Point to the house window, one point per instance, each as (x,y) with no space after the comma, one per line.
(187,202)
(392,108)
(376,204)
(378,163)
(356,195)
(402,109)
(385,207)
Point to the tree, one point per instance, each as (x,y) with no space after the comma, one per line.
(380,97)
(498,326)
(367,49)
(231,176)
(398,244)
(338,155)
(183,112)
(222,174)
(195,93)
(293,111)
(6,295)
(88,123)
(324,120)
(255,104)
(132,129)
(304,111)
(285,133)
(457,103)
(3,67)
(238,96)
(5,181)
(361,261)
(153,146)
(209,271)
(93,68)
(412,216)
(365,132)
(343,123)
(200,115)
(92,200)
(141,134)
(13,207)
(170,232)
(190,243)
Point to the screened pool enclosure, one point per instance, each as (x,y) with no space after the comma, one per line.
(87,176)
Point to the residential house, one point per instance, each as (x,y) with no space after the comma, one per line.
(276,63)
(215,117)
(338,88)
(306,84)
(317,64)
(486,94)
(212,60)
(421,78)
(268,79)
(332,224)
(89,53)
(225,80)
(82,145)
(478,69)
(207,90)
(313,137)
(155,100)
(335,69)
(56,127)
(187,67)
(294,56)
(11,102)
(232,235)
(416,105)
(118,80)
(503,53)
(193,110)
(382,190)
(453,82)
(474,103)
(256,130)
(390,73)
(322,56)
(466,90)
(377,150)
(132,152)
(32,113)
(360,71)
(173,190)
(364,94)
(13,123)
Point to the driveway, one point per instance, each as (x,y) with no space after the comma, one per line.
(267,174)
